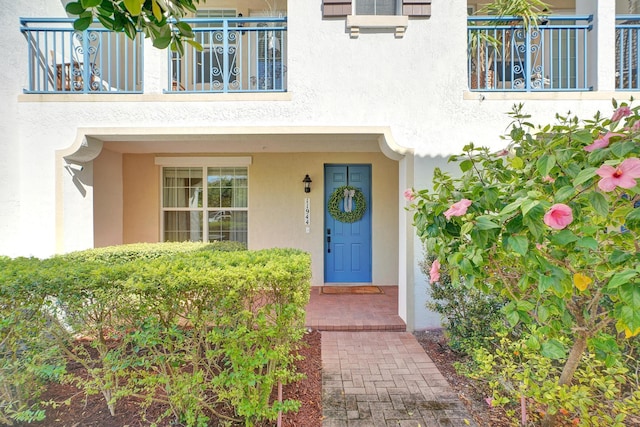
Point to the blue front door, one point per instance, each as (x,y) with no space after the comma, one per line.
(347,245)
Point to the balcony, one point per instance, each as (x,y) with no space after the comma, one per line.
(96,60)
(238,55)
(627,59)
(504,56)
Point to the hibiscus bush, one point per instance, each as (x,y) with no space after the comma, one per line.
(549,224)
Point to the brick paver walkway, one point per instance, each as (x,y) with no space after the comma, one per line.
(376,379)
(377,312)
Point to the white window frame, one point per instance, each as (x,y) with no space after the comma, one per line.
(203,163)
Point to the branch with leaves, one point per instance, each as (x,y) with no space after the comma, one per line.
(161,20)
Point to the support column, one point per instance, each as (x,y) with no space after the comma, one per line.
(601,61)
(156,70)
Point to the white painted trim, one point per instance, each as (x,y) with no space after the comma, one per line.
(545,96)
(204,161)
(399,22)
(163,97)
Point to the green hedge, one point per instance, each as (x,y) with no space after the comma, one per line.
(209,325)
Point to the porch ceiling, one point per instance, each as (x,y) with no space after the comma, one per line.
(241,143)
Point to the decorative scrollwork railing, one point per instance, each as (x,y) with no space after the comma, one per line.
(549,56)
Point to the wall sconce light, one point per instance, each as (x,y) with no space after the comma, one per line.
(307,183)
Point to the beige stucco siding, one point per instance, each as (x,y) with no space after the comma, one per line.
(141,215)
(276,207)
(276,204)
(108,206)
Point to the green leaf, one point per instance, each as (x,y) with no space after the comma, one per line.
(134,6)
(106,8)
(630,316)
(513,317)
(90,3)
(545,282)
(517,163)
(533,221)
(543,313)
(622,278)
(588,242)
(528,204)
(618,257)
(74,8)
(553,349)
(466,228)
(130,30)
(524,306)
(533,343)
(583,136)
(155,9)
(634,215)
(584,176)
(630,295)
(519,244)
(545,164)
(466,165)
(599,203)
(484,223)
(622,148)
(106,22)
(82,24)
(563,237)
(185,29)
(197,46)
(622,212)
(513,206)
(598,156)
(564,193)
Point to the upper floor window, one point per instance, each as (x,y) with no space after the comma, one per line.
(214,13)
(377,7)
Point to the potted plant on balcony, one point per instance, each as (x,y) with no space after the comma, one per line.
(485,45)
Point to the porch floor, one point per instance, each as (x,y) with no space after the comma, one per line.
(348,312)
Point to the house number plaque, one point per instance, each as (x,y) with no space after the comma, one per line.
(307,211)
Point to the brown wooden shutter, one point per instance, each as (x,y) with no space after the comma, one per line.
(332,8)
(416,7)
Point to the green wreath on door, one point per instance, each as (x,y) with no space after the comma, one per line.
(338,196)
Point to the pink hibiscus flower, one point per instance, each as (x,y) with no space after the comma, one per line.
(601,142)
(559,216)
(621,112)
(458,208)
(409,195)
(624,175)
(434,273)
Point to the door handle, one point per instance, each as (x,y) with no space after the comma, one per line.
(328,240)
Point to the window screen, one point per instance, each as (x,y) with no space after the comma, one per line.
(376,7)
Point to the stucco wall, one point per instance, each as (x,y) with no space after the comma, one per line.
(276,204)
(108,210)
(141,199)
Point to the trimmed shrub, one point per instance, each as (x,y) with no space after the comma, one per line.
(470,316)
(27,360)
(209,325)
